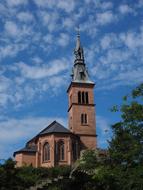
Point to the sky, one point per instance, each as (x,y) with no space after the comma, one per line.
(37,39)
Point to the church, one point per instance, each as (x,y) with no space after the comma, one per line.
(57,145)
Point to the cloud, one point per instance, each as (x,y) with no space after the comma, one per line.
(132,39)
(37,72)
(106,42)
(11,50)
(125,9)
(4,87)
(49,19)
(68,23)
(106,5)
(37,60)
(120,63)
(13,3)
(26,82)
(17,32)
(11,28)
(105,17)
(25,17)
(62,4)
(140,4)
(48,38)
(63,40)
(124,79)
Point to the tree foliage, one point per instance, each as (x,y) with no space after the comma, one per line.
(126,146)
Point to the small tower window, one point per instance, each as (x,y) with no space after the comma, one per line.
(79,97)
(84,119)
(46,152)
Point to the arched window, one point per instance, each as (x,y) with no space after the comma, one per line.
(46,152)
(86,96)
(61,150)
(79,97)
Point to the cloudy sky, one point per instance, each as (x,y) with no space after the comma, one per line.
(37,39)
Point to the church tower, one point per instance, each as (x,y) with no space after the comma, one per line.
(81,109)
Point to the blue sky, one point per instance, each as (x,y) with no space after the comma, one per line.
(37,38)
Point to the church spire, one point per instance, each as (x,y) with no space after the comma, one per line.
(79,71)
(79,54)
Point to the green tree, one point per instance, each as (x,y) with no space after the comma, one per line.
(126,146)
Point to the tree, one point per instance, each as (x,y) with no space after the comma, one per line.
(126,146)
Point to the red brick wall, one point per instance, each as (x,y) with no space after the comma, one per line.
(75,111)
(25,159)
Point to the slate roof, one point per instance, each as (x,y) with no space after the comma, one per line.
(30,149)
(54,127)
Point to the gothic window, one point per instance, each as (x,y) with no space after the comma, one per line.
(79,97)
(86,96)
(61,150)
(46,152)
(83,119)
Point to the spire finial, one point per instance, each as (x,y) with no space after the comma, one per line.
(78,31)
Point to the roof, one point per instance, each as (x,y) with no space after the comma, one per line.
(27,149)
(54,127)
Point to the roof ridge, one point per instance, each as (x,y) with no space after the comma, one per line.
(49,126)
(56,126)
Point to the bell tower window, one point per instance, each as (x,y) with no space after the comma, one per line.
(86,95)
(83,99)
(79,97)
